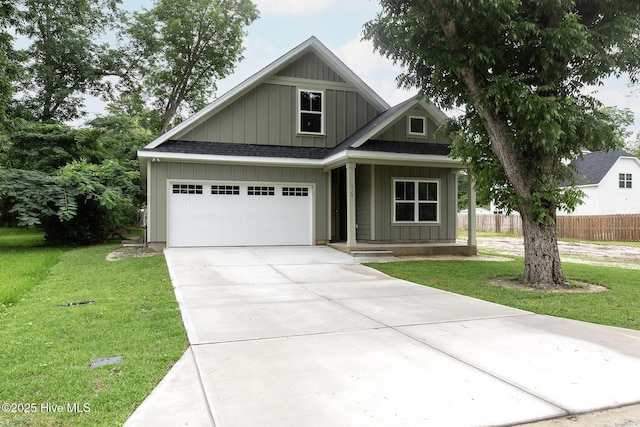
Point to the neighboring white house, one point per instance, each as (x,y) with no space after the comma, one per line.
(610,181)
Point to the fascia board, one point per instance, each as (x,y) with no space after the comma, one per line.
(437,114)
(328,56)
(377,157)
(328,163)
(209,158)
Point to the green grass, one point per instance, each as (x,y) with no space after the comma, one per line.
(45,348)
(619,306)
(18,237)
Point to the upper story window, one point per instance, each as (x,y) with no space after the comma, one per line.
(311,114)
(417,125)
(624,180)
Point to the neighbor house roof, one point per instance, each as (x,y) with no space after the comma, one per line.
(594,166)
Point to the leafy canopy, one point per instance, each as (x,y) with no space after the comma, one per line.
(179,48)
(64,59)
(520,67)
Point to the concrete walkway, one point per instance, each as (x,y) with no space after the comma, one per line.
(306,336)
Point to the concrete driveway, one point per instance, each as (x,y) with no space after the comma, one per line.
(306,336)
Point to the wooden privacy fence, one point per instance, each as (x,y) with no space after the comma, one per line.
(619,228)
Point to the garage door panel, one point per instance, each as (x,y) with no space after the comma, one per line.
(241,215)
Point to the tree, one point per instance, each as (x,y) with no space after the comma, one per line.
(518,66)
(9,59)
(65,61)
(80,203)
(179,48)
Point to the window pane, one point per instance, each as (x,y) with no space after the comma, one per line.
(621,184)
(405,212)
(410,190)
(305,101)
(428,212)
(311,101)
(428,191)
(405,190)
(316,101)
(400,190)
(628,184)
(416,125)
(628,177)
(310,122)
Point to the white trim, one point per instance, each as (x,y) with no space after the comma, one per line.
(211,158)
(434,112)
(424,126)
(322,113)
(327,163)
(416,202)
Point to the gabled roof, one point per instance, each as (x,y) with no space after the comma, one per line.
(387,118)
(310,45)
(594,166)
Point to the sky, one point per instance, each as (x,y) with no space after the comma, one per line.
(284,24)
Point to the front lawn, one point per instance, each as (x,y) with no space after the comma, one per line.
(619,306)
(46,346)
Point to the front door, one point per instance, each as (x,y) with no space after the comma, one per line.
(338,205)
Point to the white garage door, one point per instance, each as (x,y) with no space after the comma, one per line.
(234,214)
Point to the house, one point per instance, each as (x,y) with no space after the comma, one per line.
(304,153)
(610,181)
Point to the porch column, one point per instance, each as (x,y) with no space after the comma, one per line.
(471,216)
(351,204)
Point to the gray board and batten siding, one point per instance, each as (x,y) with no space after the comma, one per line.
(267,115)
(374,195)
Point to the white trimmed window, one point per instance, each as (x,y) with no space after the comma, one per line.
(416,125)
(311,111)
(416,201)
(625,180)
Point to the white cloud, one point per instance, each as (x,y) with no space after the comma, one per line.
(377,71)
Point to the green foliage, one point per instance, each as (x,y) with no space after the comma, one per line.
(64,60)
(9,60)
(519,68)
(177,51)
(80,203)
(41,147)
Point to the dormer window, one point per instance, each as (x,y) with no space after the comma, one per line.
(417,125)
(311,110)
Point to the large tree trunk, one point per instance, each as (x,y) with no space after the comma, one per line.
(542,260)
(542,268)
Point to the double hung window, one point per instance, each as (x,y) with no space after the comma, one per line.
(311,107)
(625,180)
(416,201)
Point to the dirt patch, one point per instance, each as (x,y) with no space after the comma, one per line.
(126,252)
(577,252)
(576,287)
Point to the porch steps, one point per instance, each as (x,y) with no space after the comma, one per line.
(372,253)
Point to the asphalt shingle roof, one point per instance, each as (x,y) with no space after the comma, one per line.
(256,150)
(595,165)
(237,149)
